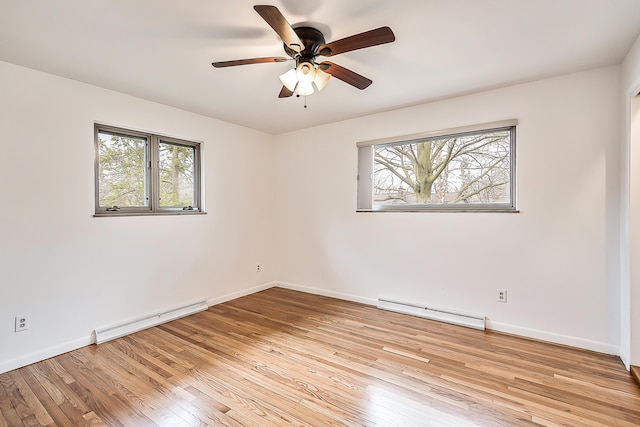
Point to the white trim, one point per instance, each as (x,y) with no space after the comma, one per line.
(326,293)
(441,132)
(626,284)
(537,334)
(568,340)
(37,356)
(496,326)
(245,292)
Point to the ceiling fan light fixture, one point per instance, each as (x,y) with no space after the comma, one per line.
(289,79)
(321,79)
(304,44)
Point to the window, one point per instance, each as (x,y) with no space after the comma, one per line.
(142,173)
(463,169)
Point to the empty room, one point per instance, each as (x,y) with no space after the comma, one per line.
(320,213)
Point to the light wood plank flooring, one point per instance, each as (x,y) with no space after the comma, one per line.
(280,357)
(635,372)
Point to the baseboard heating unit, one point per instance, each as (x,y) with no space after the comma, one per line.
(475,321)
(126,328)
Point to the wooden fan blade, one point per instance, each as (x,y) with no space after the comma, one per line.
(285,93)
(277,21)
(346,75)
(369,38)
(222,64)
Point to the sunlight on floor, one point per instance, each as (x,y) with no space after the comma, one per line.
(387,408)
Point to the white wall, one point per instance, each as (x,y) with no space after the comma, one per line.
(558,258)
(71,272)
(630,208)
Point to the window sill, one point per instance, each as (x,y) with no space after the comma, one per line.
(113,214)
(452,210)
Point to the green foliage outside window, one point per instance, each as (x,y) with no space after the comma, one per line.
(122,170)
(176,175)
(139,173)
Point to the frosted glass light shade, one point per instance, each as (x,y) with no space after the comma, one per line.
(289,79)
(321,79)
(305,72)
(305,88)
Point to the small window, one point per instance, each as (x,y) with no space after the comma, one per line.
(464,169)
(141,173)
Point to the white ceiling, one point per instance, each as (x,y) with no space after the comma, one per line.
(162,50)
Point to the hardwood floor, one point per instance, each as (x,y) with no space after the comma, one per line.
(635,373)
(281,357)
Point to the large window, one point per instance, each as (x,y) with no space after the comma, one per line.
(463,169)
(142,173)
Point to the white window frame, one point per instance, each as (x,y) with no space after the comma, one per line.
(152,188)
(366,162)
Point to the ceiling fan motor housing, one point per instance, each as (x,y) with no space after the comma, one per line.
(312,39)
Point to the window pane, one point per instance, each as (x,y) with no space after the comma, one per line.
(122,170)
(176,175)
(452,170)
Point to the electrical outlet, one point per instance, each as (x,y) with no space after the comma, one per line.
(22,323)
(258,269)
(502,295)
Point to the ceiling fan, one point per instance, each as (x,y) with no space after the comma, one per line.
(304,44)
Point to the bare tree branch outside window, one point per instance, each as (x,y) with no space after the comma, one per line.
(458,169)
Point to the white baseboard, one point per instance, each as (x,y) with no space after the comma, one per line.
(245,292)
(37,356)
(626,358)
(553,337)
(601,347)
(326,293)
